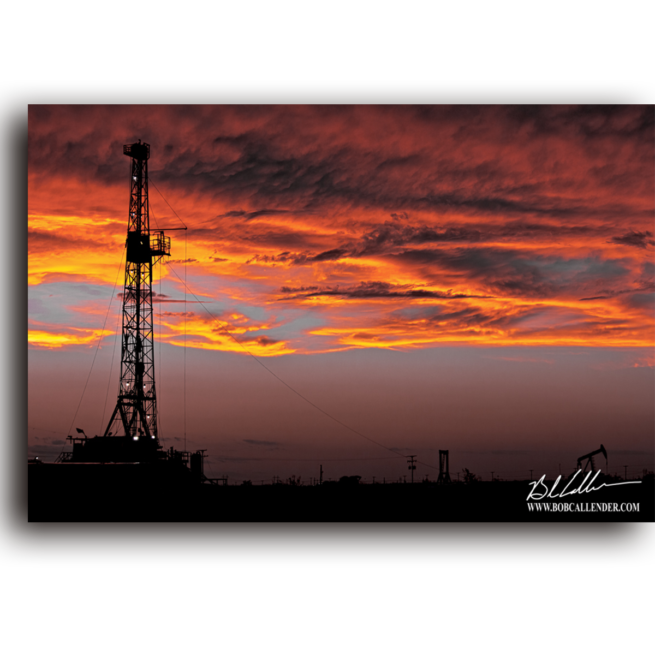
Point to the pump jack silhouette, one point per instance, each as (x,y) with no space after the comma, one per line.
(588,460)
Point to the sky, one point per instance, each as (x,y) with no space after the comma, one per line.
(477,278)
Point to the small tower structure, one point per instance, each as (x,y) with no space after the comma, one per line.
(444,468)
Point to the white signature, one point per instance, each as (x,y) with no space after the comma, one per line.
(567,491)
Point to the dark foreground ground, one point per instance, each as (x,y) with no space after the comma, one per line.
(60,492)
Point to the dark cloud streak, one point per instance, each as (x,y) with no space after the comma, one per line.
(636,239)
(368,290)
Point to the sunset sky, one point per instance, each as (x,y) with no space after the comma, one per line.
(479,279)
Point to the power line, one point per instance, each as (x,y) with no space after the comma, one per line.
(44,430)
(166,201)
(98,344)
(160,344)
(277,377)
(296,459)
(330,416)
(185,318)
(111,368)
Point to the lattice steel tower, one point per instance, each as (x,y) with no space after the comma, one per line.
(135,414)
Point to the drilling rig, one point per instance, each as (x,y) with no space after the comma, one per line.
(131,434)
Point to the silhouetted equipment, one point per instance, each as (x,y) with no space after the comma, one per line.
(444,467)
(588,459)
(131,434)
(198,463)
(135,415)
(110,449)
(411,459)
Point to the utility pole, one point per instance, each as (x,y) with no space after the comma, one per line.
(412,466)
(320,479)
(625,469)
(492,476)
(531,474)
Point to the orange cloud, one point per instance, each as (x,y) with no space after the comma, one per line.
(233,333)
(55,338)
(383,227)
